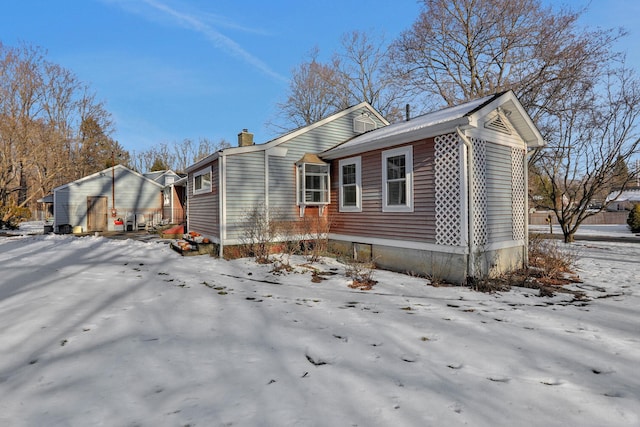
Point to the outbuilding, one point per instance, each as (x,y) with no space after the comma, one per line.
(113,199)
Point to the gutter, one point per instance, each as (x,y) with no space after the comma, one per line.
(470,227)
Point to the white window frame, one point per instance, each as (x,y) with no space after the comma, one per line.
(166,196)
(205,187)
(301,185)
(408,153)
(357,161)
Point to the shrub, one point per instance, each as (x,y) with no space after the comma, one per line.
(11,216)
(634,218)
(260,232)
(550,258)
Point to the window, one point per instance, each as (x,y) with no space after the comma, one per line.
(313,184)
(202,181)
(350,185)
(363,123)
(167,196)
(397,177)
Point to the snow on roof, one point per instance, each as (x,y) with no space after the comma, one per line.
(631,195)
(416,124)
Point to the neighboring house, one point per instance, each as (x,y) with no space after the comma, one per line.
(442,195)
(174,194)
(624,200)
(108,200)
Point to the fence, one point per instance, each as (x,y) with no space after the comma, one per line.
(601,218)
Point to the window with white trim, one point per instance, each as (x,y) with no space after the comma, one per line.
(397,180)
(313,184)
(350,184)
(202,181)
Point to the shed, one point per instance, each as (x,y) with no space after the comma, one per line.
(106,201)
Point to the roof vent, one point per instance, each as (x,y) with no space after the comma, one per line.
(363,123)
(499,123)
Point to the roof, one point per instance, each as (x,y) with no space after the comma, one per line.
(311,158)
(465,116)
(105,172)
(285,137)
(631,195)
(46,199)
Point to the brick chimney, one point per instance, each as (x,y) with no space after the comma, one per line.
(245,138)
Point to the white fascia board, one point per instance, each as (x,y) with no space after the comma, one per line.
(525,126)
(397,139)
(286,137)
(106,173)
(201,163)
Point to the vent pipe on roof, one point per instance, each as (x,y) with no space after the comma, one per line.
(245,138)
(407,109)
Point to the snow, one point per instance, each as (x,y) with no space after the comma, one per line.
(614,231)
(415,124)
(97,331)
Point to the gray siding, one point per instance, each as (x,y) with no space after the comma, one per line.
(203,215)
(245,174)
(244,188)
(282,173)
(133,195)
(499,193)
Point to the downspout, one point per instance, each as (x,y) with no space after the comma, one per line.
(222,191)
(470,226)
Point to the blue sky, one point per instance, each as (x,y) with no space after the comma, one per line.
(174,69)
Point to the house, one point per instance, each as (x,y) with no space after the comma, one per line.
(442,195)
(224,186)
(623,200)
(116,198)
(174,194)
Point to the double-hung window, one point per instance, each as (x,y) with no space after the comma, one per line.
(313,181)
(202,181)
(397,180)
(350,184)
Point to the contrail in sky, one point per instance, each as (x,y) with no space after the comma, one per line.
(219,40)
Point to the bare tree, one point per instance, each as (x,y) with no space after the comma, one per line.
(177,155)
(312,93)
(44,112)
(361,64)
(357,72)
(595,139)
(459,50)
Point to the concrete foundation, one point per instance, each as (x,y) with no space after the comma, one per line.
(437,266)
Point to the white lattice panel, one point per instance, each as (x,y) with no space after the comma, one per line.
(519,192)
(448,190)
(479,191)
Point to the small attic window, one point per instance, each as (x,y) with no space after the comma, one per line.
(363,123)
(499,123)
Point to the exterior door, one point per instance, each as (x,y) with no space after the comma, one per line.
(97,213)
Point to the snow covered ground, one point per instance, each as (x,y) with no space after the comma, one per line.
(127,333)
